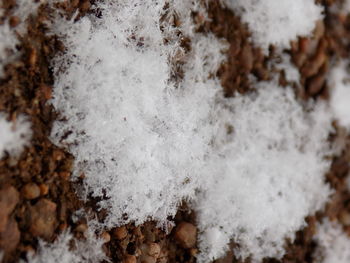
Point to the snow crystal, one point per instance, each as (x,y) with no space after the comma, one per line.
(130,126)
(339,83)
(271,178)
(14,136)
(62,251)
(333,244)
(277,22)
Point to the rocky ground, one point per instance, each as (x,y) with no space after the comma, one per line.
(37,198)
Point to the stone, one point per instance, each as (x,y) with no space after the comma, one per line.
(43,219)
(186,234)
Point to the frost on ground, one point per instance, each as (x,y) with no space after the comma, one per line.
(270,174)
(13,136)
(251,166)
(277,22)
(340,93)
(8,38)
(333,243)
(67,249)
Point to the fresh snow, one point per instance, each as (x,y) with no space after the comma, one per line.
(130,124)
(251,166)
(277,22)
(14,136)
(269,176)
(333,245)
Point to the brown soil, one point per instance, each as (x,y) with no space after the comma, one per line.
(37,198)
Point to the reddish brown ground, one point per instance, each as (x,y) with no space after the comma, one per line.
(37,198)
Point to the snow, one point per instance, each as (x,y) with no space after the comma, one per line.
(290,70)
(340,93)
(60,251)
(14,136)
(346,6)
(333,243)
(117,79)
(270,177)
(277,22)
(251,166)
(8,41)
(8,38)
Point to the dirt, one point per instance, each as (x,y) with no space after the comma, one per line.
(37,198)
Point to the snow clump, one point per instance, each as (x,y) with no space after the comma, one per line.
(339,83)
(277,22)
(126,121)
(14,136)
(270,177)
(333,245)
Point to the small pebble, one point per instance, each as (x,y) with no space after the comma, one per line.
(193,252)
(106,237)
(9,198)
(58,155)
(246,58)
(137,232)
(14,21)
(43,219)
(120,233)
(315,84)
(81,228)
(344,218)
(154,250)
(130,259)
(9,238)
(46,91)
(186,235)
(64,175)
(31,191)
(44,189)
(33,57)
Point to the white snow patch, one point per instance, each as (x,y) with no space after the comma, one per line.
(67,249)
(291,72)
(277,22)
(271,174)
(14,136)
(339,82)
(333,243)
(132,126)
